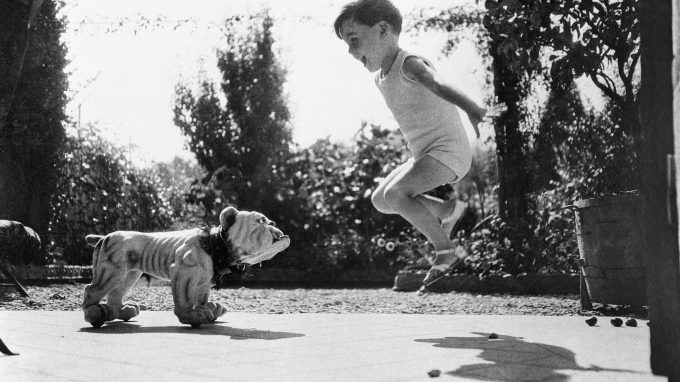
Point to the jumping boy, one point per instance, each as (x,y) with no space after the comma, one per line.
(424,106)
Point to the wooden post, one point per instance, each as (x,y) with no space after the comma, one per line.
(659,217)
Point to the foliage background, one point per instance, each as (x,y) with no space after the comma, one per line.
(33,85)
(240,132)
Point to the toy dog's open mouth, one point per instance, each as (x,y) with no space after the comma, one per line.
(278,244)
(243,265)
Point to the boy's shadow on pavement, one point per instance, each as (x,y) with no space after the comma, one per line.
(121,327)
(513,359)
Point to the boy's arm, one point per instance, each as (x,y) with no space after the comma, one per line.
(416,69)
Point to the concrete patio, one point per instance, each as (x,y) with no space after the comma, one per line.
(60,346)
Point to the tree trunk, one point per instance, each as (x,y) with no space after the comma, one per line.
(660,248)
(514,177)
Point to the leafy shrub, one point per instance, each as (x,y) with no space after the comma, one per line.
(599,157)
(582,152)
(173,180)
(99,191)
(330,186)
(551,248)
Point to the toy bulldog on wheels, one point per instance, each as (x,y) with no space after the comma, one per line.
(193,261)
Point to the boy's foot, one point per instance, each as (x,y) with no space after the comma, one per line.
(445,261)
(450,223)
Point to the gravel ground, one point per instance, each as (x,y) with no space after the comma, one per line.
(278,301)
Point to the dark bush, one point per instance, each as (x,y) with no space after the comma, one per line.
(99,191)
(329,186)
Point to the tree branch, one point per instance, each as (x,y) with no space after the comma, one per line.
(628,86)
(606,90)
(609,82)
(633,64)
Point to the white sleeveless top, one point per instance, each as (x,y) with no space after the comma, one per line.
(430,124)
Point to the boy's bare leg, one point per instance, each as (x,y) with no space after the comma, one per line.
(437,207)
(378,196)
(441,209)
(402,193)
(448,212)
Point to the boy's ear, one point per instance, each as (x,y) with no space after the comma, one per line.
(384,28)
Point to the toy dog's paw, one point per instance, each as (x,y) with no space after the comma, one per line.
(201,315)
(129,310)
(217,309)
(98,314)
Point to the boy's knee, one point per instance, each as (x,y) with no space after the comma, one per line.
(394,195)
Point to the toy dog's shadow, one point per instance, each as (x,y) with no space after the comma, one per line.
(121,327)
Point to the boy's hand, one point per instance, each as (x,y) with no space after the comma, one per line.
(484,114)
(495,110)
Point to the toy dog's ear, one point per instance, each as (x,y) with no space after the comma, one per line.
(228,217)
(93,240)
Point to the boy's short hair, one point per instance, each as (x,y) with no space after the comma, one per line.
(369,12)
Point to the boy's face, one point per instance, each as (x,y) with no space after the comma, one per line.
(365,43)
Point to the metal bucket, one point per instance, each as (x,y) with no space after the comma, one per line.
(609,235)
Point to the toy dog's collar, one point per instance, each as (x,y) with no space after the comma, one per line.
(221,254)
(225,261)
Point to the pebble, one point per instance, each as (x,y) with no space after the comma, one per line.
(591,321)
(434,373)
